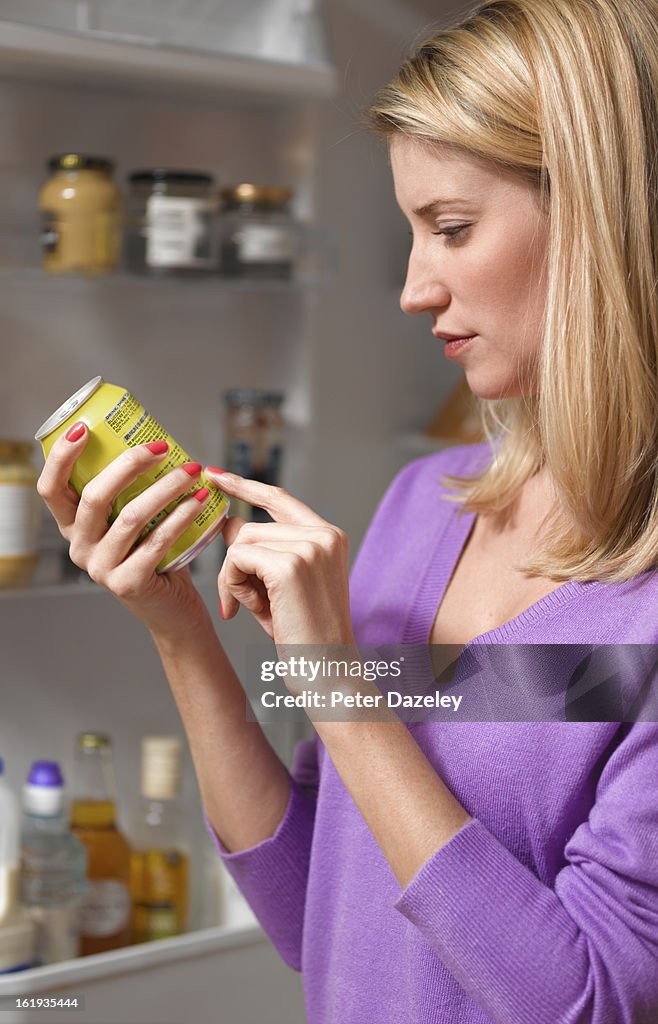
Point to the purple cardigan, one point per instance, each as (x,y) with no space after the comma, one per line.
(541,910)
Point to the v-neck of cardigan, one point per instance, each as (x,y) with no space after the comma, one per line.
(441,563)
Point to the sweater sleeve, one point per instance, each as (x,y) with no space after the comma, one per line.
(272,875)
(583,952)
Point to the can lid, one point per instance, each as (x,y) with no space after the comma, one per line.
(15,449)
(171,177)
(271,195)
(80,162)
(68,408)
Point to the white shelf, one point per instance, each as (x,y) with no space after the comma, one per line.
(127,959)
(40,53)
(35,277)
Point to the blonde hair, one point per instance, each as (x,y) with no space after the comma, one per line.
(565,94)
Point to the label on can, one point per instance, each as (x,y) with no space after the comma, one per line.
(106,908)
(19,520)
(117,421)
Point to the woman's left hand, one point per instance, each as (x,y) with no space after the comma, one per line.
(291,574)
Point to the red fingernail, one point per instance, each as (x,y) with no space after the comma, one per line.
(75,432)
(192,468)
(214,469)
(202,494)
(157,447)
(221,610)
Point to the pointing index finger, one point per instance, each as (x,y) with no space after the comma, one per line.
(281,506)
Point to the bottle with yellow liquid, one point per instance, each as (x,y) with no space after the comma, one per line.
(107,909)
(160,860)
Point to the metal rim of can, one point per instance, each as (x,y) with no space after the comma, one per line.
(68,407)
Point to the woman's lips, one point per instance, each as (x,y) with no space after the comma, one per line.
(457,345)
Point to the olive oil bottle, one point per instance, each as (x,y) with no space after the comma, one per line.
(106,909)
(160,861)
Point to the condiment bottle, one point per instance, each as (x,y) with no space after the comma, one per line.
(259,237)
(20,514)
(81,211)
(160,860)
(106,908)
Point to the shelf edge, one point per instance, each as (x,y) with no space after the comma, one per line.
(67,53)
(129,959)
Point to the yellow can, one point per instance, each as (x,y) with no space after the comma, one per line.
(116,422)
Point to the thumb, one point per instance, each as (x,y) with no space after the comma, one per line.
(232,527)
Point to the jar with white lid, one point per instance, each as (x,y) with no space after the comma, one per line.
(20,514)
(259,237)
(171,222)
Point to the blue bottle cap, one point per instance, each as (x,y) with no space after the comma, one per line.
(45,773)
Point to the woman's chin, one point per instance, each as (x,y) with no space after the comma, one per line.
(494,390)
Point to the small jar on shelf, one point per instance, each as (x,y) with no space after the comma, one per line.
(170,223)
(254,441)
(81,214)
(20,514)
(259,237)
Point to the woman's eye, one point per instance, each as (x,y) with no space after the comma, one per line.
(454,232)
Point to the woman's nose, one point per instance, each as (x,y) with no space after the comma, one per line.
(422,291)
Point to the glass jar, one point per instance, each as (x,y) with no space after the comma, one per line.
(81,210)
(20,514)
(254,441)
(259,237)
(171,222)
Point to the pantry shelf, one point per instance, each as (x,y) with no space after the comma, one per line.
(45,54)
(34,277)
(54,977)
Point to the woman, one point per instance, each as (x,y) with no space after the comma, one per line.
(462,872)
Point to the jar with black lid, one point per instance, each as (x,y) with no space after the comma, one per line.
(259,235)
(171,222)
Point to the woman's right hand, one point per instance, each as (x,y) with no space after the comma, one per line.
(167,603)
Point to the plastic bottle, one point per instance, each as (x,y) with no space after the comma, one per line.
(53,866)
(16,928)
(160,860)
(107,908)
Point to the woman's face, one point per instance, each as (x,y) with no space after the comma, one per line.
(487,277)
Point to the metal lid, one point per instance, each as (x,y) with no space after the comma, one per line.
(252,396)
(18,450)
(247,193)
(93,741)
(80,162)
(172,177)
(68,408)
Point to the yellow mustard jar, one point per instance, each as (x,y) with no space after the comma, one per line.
(81,214)
(20,514)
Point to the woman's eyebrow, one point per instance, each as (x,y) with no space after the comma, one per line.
(436,204)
